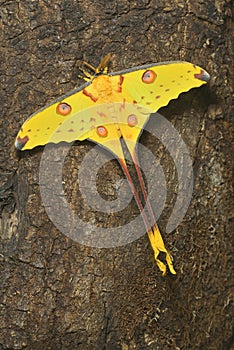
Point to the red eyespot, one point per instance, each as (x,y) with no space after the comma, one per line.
(132,120)
(149,77)
(101,131)
(63,109)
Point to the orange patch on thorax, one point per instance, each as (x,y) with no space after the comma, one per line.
(105,89)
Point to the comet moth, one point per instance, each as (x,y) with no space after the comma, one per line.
(110,107)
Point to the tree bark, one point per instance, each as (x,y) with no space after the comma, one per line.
(59,294)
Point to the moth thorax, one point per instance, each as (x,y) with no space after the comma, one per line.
(103,86)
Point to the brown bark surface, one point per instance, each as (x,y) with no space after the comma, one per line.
(58,294)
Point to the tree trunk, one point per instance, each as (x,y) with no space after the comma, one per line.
(59,294)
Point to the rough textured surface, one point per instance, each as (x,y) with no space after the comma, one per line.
(57,294)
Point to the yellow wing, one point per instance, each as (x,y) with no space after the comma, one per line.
(37,129)
(153,86)
(76,116)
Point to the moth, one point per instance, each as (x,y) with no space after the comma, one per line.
(111,107)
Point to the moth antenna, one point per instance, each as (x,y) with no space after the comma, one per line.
(89,66)
(103,65)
